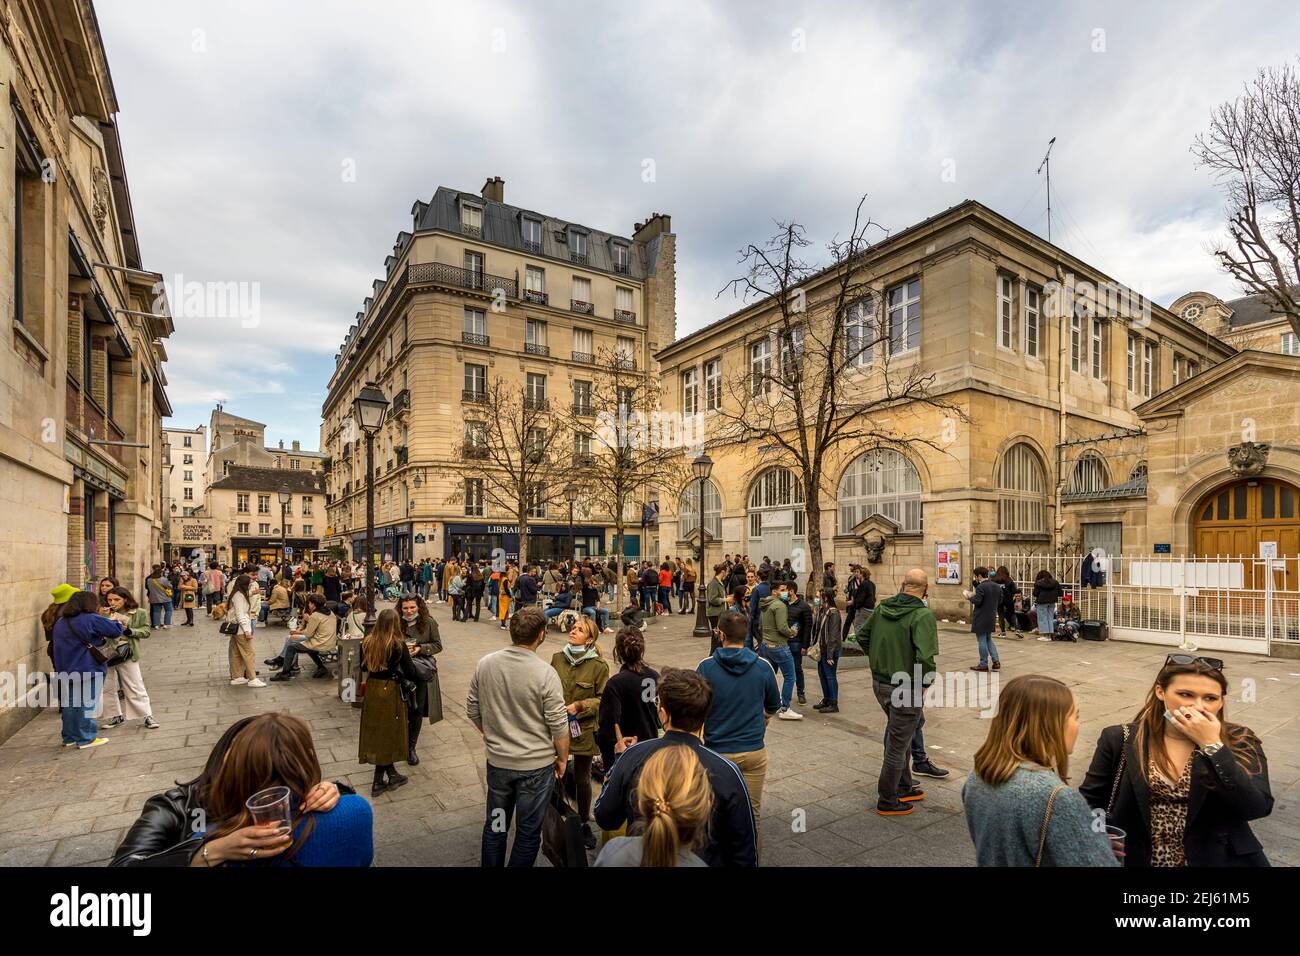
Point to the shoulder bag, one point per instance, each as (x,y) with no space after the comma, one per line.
(1119,773)
(1047,818)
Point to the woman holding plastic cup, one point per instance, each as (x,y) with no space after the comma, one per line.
(1019,807)
(1181,782)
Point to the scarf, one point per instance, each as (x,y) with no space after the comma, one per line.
(585,654)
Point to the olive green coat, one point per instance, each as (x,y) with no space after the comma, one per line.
(137,629)
(583,685)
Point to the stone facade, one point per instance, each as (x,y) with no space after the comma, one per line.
(81,385)
(583,298)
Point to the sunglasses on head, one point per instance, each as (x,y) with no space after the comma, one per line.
(1212,662)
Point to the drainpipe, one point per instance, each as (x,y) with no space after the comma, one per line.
(1062,358)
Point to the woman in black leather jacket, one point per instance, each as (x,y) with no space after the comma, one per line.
(162,836)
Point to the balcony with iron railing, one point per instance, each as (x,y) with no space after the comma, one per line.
(622,267)
(582,308)
(581,258)
(586,358)
(532,348)
(534,247)
(535,403)
(473,452)
(622,315)
(401,402)
(625,362)
(583,460)
(474,338)
(475,395)
(536,297)
(584,409)
(474,232)
(440,273)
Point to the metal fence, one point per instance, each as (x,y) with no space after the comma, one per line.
(1216,602)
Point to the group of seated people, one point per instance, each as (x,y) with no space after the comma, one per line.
(318,633)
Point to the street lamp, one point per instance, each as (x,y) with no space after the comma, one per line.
(285,497)
(571,495)
(368,408)
(700,468)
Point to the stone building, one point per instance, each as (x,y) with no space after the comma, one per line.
(479,291)
(1047,367)
(242,514)
(82,390)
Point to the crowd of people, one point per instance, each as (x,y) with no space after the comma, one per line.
(659,766)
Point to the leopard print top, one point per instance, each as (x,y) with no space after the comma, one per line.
(1169,816)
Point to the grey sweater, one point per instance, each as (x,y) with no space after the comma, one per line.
(1005,822)
(515,698)
(626,851)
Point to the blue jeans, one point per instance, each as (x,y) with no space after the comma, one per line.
(779,655)
(265,612)
(987,649)
(1046,618)
(665,598)
(553,611)
(599,615)
(648,601)
(160,614)
(796,657)
(493,604)
(830,678)
(79,698)
(523,794)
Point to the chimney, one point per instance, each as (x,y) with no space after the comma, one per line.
(297,446)
(494,190)
(655,225)
(281,444)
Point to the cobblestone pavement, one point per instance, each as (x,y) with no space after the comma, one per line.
(64,808)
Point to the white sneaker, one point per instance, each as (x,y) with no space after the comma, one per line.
(256,682)
(789,714)
(1044,638)
(238,680)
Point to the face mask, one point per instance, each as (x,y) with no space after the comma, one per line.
(817,602)
(785,596)
(409,618)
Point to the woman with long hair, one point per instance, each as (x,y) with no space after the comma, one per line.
(423,641)
(1047,591)
(354,624)
(80,628)
(106,585)
(628,708)
(163,833)
(276,750)
(239,611)
(126,676)
(188,589)
(384,724)
(583,676)
(1181,780)
(1007,605)
(675,803)
(1019,807)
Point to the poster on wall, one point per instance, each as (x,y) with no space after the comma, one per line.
(947,561)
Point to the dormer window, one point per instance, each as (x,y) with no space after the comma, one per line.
(471,220)
(532,236)
(620,257)
(577,247)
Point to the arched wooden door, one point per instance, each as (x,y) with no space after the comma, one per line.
(1235,519)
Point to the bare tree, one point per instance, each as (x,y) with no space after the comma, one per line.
(519,449)
(825,378)
(631,452)
(1253,150)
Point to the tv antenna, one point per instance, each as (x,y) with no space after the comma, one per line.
(1047,164)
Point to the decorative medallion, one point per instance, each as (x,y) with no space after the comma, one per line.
(1248,458)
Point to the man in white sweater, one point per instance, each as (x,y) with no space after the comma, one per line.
(516,702)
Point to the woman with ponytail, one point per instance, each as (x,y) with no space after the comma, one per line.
(675,803)
(629,712)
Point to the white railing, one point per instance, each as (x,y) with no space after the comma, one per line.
(1219,602)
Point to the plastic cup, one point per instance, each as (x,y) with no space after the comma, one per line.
(1116,836)
(272,806)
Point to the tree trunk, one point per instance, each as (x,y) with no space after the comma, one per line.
(813,520)
(522,518)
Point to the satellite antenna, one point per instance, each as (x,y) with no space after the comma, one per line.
(1047,164)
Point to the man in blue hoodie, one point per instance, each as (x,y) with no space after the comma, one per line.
(744,699)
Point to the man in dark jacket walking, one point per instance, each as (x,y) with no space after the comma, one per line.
(984,599)
(761,590)
(527,586)
(800,613)
(863,599)
(901,639)
(685,699)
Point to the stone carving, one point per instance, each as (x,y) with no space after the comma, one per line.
(875,549)
(101,198)
(1248,458)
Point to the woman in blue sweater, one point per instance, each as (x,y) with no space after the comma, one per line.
(1019,808)
(80,675)
(276,750)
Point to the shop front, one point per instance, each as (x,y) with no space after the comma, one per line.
(267,550)
(392,542)
(545,542)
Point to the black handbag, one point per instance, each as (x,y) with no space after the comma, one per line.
(562,842)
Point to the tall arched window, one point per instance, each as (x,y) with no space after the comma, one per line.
(1089,475)
(880,481)
(1022,490)
(688,510)
(776,515)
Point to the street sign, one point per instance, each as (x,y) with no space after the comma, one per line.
(288,552)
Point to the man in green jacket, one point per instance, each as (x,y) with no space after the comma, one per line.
(774,621)
(901,639)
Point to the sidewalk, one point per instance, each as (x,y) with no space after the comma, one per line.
(65,808)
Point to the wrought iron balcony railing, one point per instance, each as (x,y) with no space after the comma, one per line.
(473,338)
(537,298)
(440,273)
(583,408)
(586,358)
(579,306)
(531,348)
(535,404)
(622,315)
(473,395)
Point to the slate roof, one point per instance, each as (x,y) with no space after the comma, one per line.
(252,478)
(1250,310)
(1133,488)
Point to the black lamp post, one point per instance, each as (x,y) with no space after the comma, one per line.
(368,408)
(700,468)
(570,495)
(285,498)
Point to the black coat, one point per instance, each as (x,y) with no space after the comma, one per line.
(1048,593)
(1225,795)
(864,598)
(984,603)
(801,613)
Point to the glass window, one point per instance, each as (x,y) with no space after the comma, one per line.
(690,391)
(880,481)
(1022,504)
(474,497)
(536,387)
(532,235)
(713,385)
(578,245)
(581,290)
(1239,503)
(1076,336)
(1089,475)
(475,322)
(1097,367)
(760,367)
(904,317)
(623,299)
(476,379)
(1033,321)
(535,333)
(471,218)
(1148,368)
(688,510)
(1006,312)
(582,342)
(1267,501)
(535,279)
(1290,344)
(858,333)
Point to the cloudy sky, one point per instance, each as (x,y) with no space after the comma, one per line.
(280,143)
